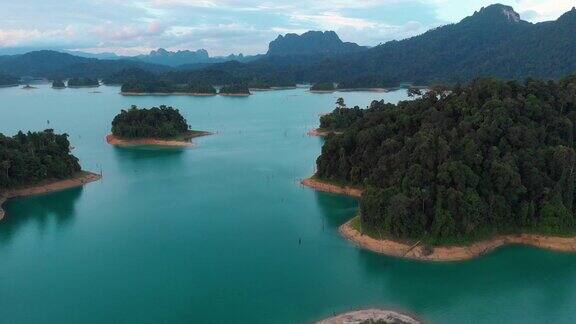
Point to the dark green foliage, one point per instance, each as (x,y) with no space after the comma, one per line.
(83,82)
(485,158)
(234,89)
(341,118)
(325,86)
(369,81)
(130,75)
(163,122)
(58,84)
(8,80)
(166,87)
(30,158)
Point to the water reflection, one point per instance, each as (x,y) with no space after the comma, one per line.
(57,208)
(509,274)
(336,209)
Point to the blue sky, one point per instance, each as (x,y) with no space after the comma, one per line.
(231,26)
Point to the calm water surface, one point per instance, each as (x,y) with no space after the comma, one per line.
(211,234)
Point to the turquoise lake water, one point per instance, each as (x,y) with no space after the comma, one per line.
(211,234)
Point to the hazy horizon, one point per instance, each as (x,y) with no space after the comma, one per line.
(224,27)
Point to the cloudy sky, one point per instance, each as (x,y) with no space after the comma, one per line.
(230,26)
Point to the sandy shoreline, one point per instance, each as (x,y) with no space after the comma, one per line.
(323,91)
(79,179)
(113,140)
(321,133)
(332,188)
(439,253)
(234,94)
(167,94)
(371,316)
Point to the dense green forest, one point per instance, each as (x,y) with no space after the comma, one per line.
(83,82)
(30,158)
(58,84)
(235,89)
(462,163)
(130,75)
(8,80)
(165,87)
(157,122)
(325,86)
(367,81)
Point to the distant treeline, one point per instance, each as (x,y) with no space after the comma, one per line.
(35,156)
(8,80)
(157,122)
(83,82)
(165,87)
(461,163)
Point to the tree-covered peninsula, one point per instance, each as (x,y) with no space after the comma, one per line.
(460,164)
(29,158)
(83,83)
(238,89)
(155,126)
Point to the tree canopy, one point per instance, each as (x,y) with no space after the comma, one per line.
(237,88)
(83,82)
(35,156)
(156,122)
(8,80)
(457,164)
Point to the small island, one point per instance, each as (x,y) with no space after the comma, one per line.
(58,84)
(37,163)
(235,90)
(157,126)
(83,83)
(161,88)
(457,172)
(371,316)
(325,87)
(8,81)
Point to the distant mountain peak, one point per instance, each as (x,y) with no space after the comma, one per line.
(311,42)
(498,11)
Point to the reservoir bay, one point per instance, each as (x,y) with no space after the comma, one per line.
(224,232)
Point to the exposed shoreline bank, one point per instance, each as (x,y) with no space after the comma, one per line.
(371,316)
(79,179)
(321,133)
(332,188)
(186,142)
(234,94)
(415,251)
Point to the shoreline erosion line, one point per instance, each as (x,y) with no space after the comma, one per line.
(113,140)
(437,253)
(79,179)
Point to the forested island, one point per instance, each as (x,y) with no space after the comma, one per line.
(460,165)
(162,126)
(83,83)
(38,162)
(8,80)
(235,90)
(165,88)
(58,84)
(323,87)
